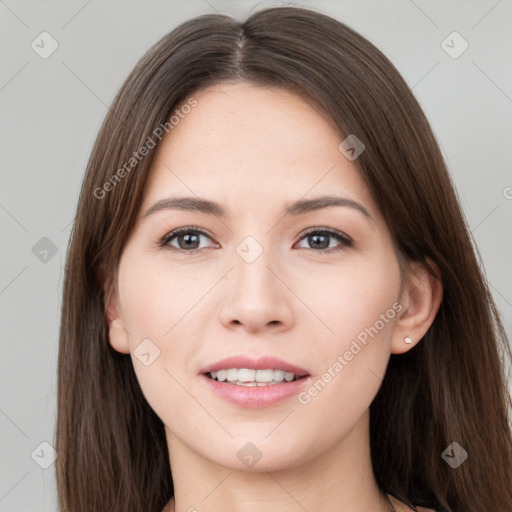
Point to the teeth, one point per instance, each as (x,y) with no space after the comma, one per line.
(249,377)
(231,375)
(221,375)
(279,375)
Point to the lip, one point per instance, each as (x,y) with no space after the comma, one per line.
(256,397)
(260,363)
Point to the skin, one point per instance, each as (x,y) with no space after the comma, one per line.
(253,150)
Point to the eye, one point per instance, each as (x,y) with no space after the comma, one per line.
(319,239)
(187,239)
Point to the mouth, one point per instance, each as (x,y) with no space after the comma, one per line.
(252,388)
(261,369)
(251,377)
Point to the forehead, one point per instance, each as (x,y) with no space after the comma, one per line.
(243,144)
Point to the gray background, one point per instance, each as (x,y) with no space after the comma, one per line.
(51,110)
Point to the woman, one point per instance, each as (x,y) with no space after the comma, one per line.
(271,296)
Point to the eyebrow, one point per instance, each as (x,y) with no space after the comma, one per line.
(302,206)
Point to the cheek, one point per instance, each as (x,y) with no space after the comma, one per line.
(161,302)
(352,296)
(358,306)
(156,298)
(154,310)
(366,303)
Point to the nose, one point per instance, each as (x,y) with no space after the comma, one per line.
(256,296)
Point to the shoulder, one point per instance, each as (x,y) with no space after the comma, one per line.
(423,509)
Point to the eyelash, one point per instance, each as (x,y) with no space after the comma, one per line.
(343,239)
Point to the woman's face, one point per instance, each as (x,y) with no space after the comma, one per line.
(256,282)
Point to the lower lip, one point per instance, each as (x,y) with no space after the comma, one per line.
(255,397)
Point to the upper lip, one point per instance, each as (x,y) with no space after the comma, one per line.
(260,363)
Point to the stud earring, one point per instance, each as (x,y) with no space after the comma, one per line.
(408,340)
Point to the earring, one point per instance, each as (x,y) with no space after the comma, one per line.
(408,340)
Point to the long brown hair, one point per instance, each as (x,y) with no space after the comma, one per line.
(451,387)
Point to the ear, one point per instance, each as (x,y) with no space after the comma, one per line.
(420,302)
(117,333)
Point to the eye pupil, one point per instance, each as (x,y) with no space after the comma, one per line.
(318,244)
(192,241)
